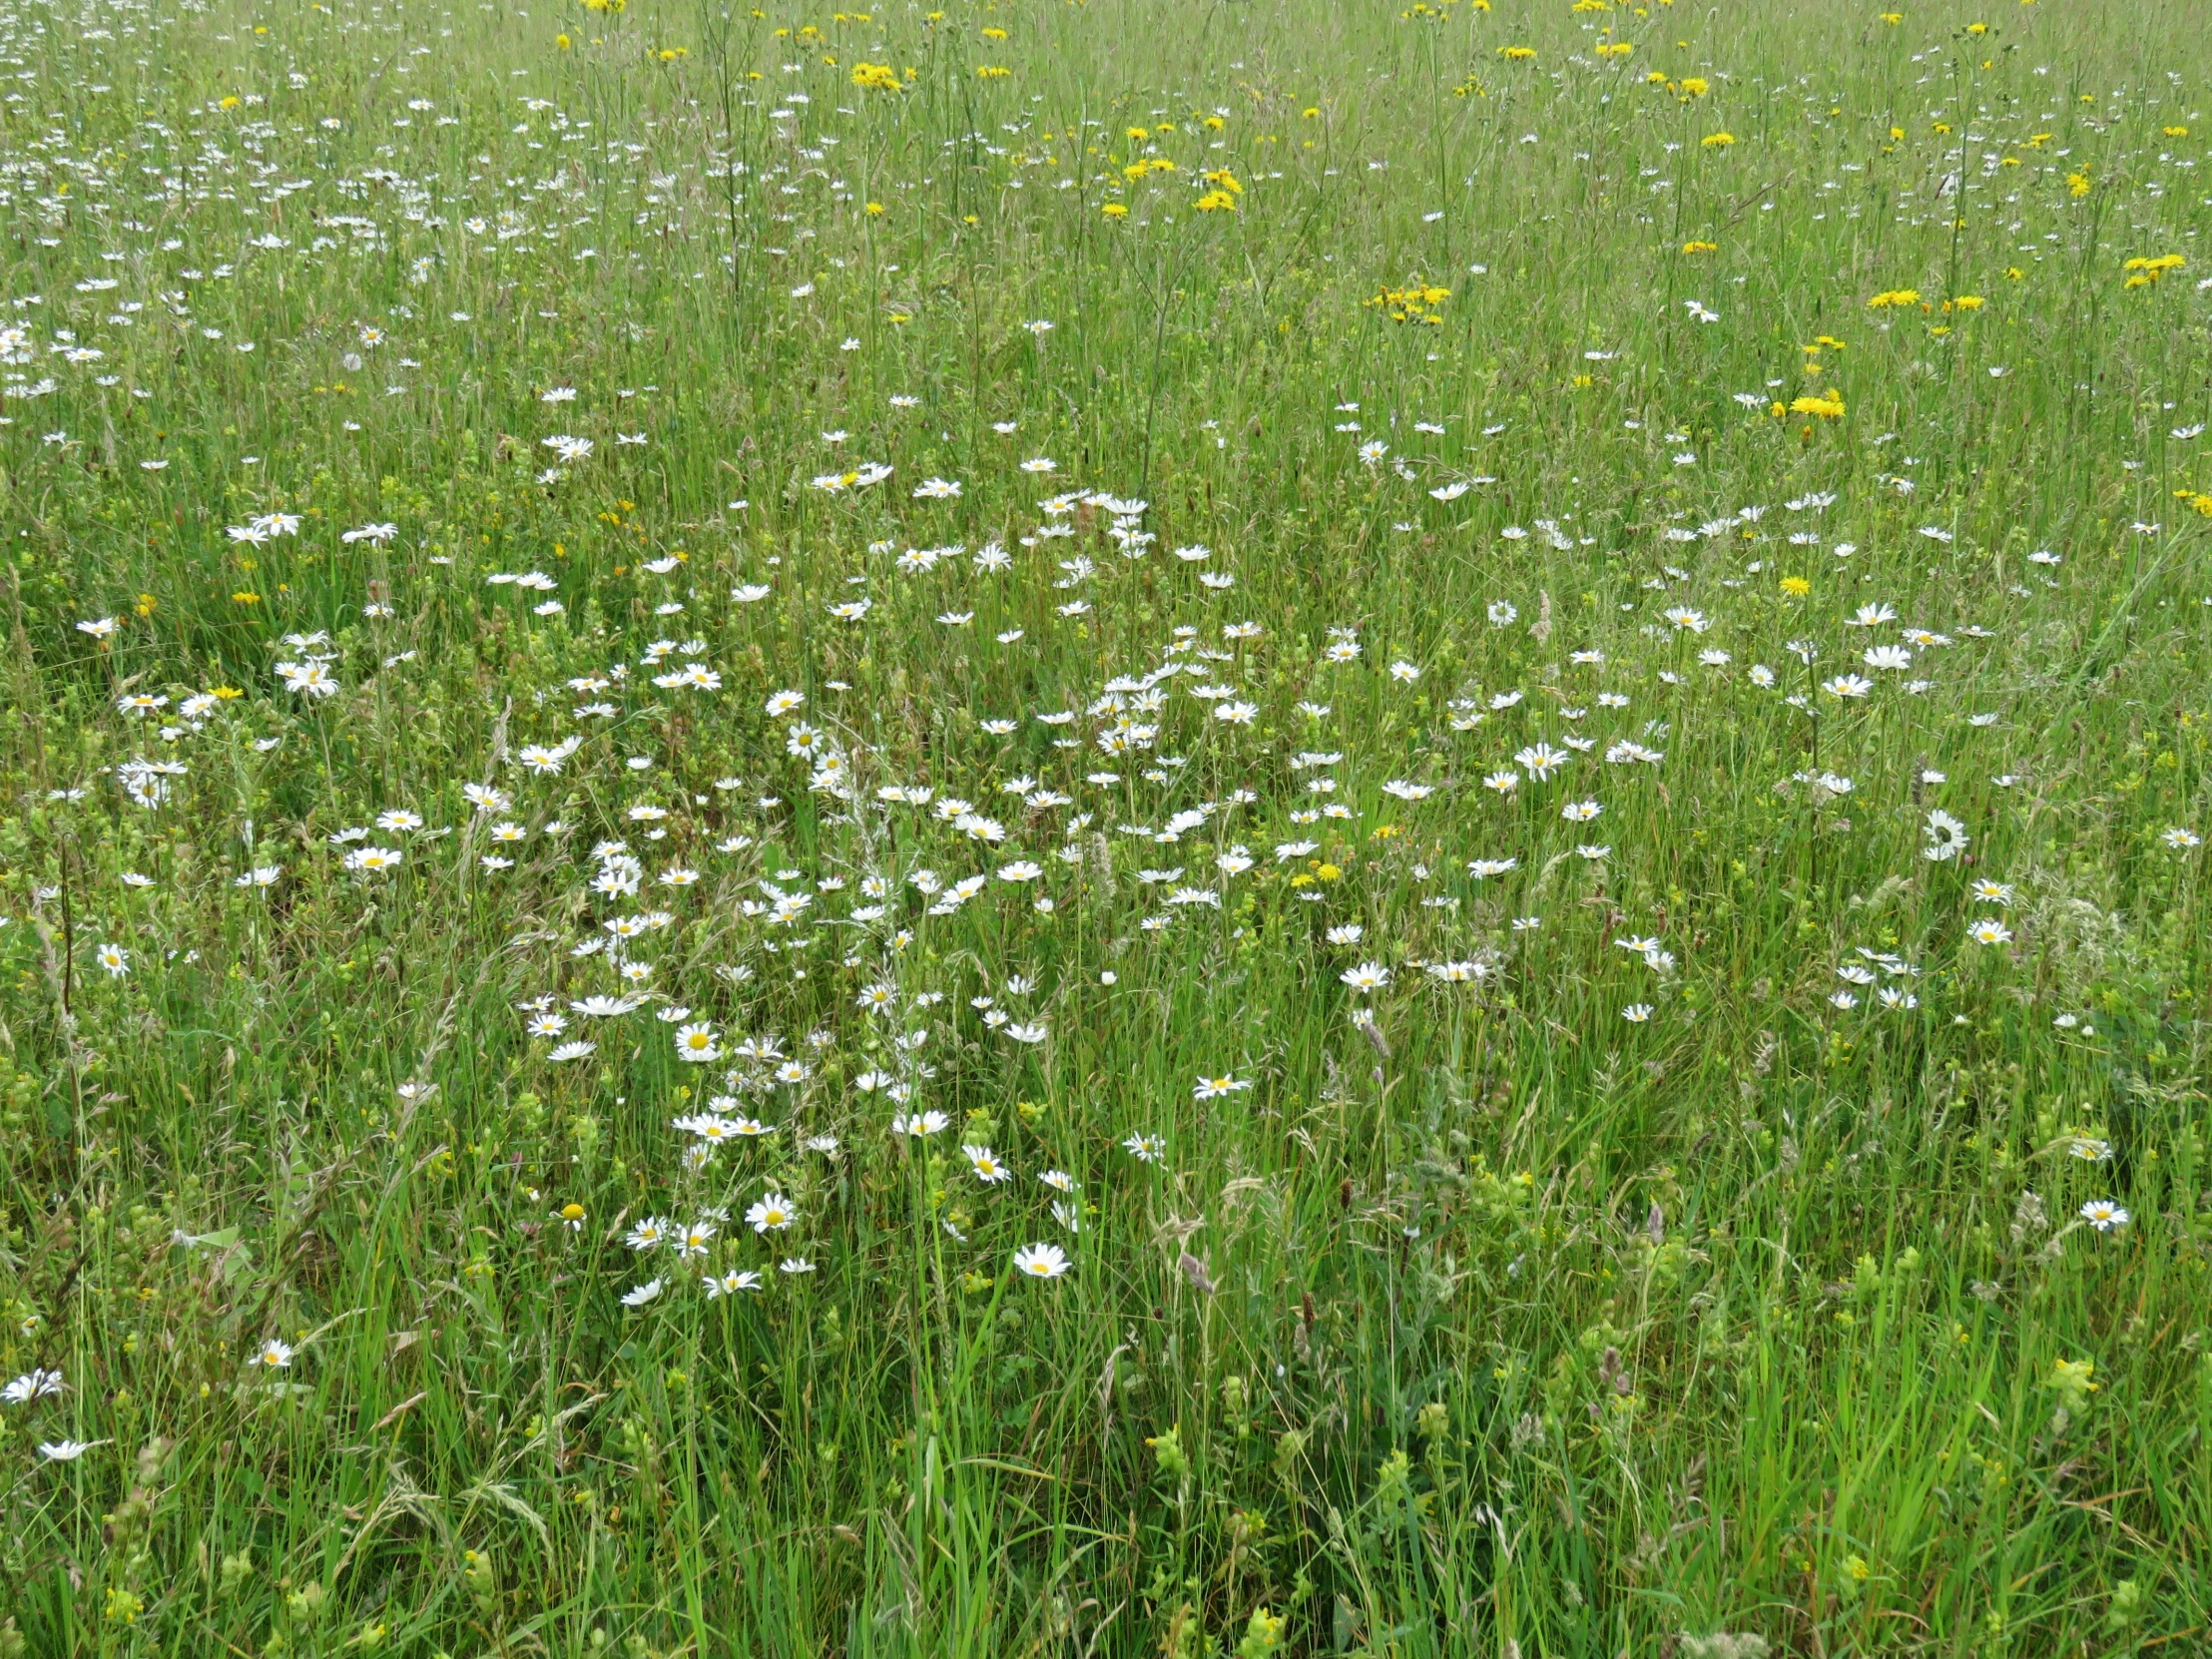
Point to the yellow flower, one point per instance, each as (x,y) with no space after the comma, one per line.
(1217,201)
(1965,303)
(1692,86)
(1115,210)
(1517,54)
(245,597)
(1830,407)
(1701,248)
(1797,587)
(1718,140)
(2145,271)
(1414,303)
(1894,297)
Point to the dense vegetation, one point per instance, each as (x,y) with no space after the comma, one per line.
(1104,828)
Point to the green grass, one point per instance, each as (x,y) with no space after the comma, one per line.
(1481,1318)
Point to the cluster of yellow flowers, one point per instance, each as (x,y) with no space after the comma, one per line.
(1416,303)
(2142,272)
(1830,407)
(1223,196)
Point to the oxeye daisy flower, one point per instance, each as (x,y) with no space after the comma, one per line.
(771,1211)
(35,1383)
(696,1043)
(1041,1260)
(989,1168)
(1540,760)
(648,1233)
(1947,838)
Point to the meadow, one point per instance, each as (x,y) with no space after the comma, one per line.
(1105,829)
